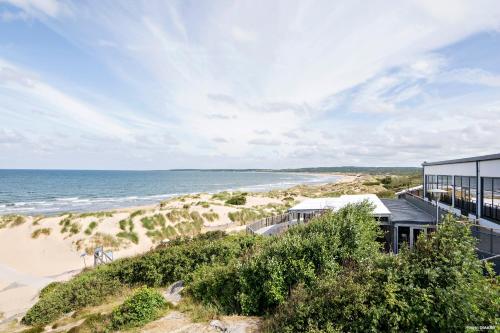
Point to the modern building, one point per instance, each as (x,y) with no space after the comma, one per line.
(400,220)
(472,187)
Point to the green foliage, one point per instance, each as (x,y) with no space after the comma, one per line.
(222,196)
(41,231)
(203,204)
(398,183)
(238,200)
(96,214)
(163,233)
(74,228)
(245,215)
(45,290)
(127,227)
(130,235)
(92,225)
(196,217)
(142,307)
(437,287)
(94,323)
(211,216)
(160,267)
(386,194)
(88,288)
(217,286)
(371,183)
(137,213)
(11,221)
(151,222)
(259,283)
(176,215)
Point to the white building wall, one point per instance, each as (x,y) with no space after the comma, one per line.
(489,168)
(458,169)
(486,169)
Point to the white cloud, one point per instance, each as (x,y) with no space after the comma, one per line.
(238,72)
(47,7)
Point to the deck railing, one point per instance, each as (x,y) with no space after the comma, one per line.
(488,239)
(284,220)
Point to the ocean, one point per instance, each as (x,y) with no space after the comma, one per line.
(50,192)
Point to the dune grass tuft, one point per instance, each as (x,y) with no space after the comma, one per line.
(42,231)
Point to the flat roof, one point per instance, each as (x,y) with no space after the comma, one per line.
(403,211)
(339,202)
(465,160)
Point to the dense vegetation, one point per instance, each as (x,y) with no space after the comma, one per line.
(160,267)
(257,284)
(326,276)
(142,307)
(437,287)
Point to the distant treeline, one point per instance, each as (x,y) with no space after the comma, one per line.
(355,169)
(344,169)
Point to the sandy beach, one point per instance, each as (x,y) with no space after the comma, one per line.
(36,250)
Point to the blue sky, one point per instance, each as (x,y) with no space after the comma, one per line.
(228,84)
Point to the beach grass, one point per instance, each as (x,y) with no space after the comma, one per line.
(42,231)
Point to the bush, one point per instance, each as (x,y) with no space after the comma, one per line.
(142,307)
(437,287)
(218,286)
(88,288)
(301,255)
(237,200)
(160,267)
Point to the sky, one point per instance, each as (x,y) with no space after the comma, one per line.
(247,84)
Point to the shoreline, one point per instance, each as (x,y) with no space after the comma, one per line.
(112,203)
(30,259)
(340,177)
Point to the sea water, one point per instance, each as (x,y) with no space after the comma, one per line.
(56,191)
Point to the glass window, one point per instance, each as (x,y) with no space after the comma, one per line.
(491,198)
(466,193)
(439,182)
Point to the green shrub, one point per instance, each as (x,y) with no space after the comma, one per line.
(143,306)
(217,286)
(237,200)
(299,256)
(439,286)
(371,183)
(88,288)
(48,288)
(165,265)
(386,194)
